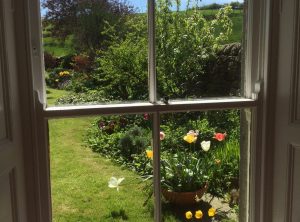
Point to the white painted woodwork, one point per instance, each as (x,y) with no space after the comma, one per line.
(12,198)
(286,193)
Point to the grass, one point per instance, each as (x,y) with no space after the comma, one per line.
(79,178)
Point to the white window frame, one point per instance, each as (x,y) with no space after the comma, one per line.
(256,69)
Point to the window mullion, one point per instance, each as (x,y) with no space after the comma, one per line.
(151,52)
(156,166)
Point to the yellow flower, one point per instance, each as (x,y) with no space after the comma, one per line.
(188,215)
(149,154)
(212,212)
(64,73)
(56,80)
(190,138)
(198,214)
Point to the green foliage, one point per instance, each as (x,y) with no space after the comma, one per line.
(185,171)
(88,97)
(134,142)
(186,44)
(84,20)
(225,173)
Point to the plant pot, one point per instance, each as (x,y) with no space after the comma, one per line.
(183,198)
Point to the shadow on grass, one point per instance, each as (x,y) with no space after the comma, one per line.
(118,215)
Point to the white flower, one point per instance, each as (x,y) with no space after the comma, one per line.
(114,182)
(205,145)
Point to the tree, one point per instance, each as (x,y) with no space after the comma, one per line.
(85,20)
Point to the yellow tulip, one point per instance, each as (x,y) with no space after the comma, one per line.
(198,214)
(212,212)
(190,138)
(188,215)
(149,154)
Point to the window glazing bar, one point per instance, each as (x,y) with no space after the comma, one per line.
(147,107)
(151,52)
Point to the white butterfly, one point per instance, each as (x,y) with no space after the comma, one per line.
(205,145)
(115,182)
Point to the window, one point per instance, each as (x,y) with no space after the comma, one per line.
(157,105)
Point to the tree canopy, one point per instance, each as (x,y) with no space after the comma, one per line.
(85,20)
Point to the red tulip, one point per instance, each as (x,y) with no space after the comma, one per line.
(220,136)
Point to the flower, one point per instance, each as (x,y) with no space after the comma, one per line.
(198,214)
(64,73)
(149,154)
(115,182)
(197,199)
(191,137)
(205,145)
(146,116)
(220,136)
(188,215)
(211,212)
(162,135)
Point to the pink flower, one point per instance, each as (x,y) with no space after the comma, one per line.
(146,116)
(162,135)
(220,136)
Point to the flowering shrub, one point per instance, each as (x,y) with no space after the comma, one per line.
(190,159)
(58,78)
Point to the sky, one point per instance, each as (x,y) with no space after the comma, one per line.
(141,5)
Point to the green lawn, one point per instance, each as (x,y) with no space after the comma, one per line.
(79,178)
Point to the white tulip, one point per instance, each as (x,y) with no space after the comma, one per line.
(115,183)
(205,145)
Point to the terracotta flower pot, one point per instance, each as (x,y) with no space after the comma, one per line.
(183,198)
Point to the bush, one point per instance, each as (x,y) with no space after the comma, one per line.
(134,142)
(50,61)
(66,62)
(187,44)
(58,78)
(89,97)
(82,63)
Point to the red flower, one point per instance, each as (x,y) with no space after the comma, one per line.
(220,136)
(146,116)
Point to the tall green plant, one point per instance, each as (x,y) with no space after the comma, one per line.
(186,42)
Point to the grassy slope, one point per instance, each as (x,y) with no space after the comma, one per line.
(237,20)
(56,47)
(79,178)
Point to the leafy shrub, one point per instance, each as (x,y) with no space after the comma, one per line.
(186,44)
(89,97)
(133,142)
(83,82)
(50,61)
(226,170)
(82,63)
(66,62)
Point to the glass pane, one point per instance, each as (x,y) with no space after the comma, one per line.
(200,166)
(95,51)
(198,48)
(101,168)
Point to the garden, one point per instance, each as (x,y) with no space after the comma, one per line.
(102,167)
